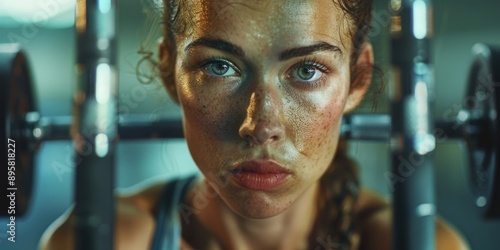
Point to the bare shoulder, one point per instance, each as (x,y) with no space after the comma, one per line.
(375,216)
(134,225)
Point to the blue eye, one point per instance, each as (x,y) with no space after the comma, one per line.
(307,73)
(220,68)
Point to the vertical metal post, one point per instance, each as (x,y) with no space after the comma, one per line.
(412,139)
(95,124)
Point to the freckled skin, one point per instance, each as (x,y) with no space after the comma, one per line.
(260,113)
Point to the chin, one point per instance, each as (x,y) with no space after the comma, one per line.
(253,204)
(257,208)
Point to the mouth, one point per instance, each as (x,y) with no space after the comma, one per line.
(260,174)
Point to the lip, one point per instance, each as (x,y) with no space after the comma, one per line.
(260,174)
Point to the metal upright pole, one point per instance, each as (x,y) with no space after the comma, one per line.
(412,139)
(95,124)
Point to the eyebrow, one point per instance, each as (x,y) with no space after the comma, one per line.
(216,44)
(302,51)
(285,55)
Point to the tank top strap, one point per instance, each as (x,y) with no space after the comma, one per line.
(168,228)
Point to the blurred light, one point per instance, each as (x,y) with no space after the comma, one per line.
(101,145)
(419,19)
(426,209)
(421,96)
(104,6)
(396,5)
(481,201)
(103,44)
(463,116)
(482,49)
(81,16)
(424,143)
(103,83)
(396,24)
(37,133)
(42,13)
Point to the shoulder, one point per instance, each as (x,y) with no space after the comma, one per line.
(375,216)
(134,225)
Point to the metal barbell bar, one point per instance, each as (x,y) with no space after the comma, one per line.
(470,123)
(360,126)
(95,122)
(413,205)
(375,127)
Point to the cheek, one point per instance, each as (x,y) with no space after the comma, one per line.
(323,132)
(203,111)
(210,118)
(317,125)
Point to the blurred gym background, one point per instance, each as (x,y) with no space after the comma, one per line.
(45,30)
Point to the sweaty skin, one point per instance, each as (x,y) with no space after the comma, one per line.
(260,110)
(262,107)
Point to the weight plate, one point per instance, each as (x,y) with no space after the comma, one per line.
(481,129)
(16,99)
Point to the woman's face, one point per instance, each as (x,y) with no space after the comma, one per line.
(263,86)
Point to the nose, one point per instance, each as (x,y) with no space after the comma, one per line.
(263,122)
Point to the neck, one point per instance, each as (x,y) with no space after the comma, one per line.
(287,230)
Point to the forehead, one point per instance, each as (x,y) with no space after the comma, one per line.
(275,21)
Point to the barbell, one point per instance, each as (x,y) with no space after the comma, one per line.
(20,123)
(480,128)
(16,100)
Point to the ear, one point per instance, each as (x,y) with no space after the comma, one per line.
(361,77)
(167,72)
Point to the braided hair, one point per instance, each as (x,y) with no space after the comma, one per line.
(340,186)
(335,225)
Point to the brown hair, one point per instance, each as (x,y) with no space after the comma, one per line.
(340,183)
